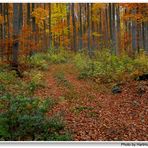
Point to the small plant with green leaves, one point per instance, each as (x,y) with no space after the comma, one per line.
(7,77)
(71,95)
(58,56)
(39,60)
(60,77)
(36,81)
(80,60)
(82,108)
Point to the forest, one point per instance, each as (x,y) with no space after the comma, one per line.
(73,71)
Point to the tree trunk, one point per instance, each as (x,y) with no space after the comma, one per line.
(33,19)
(15,35)
(34,37)
(100,29)
(110,21)
(118,30)
(20,16)
(80,28)
(8,26)
(28,14)
(88,27)
(44,35)
(92,28)
(68,22)
(146,36)
(50,34)
(1,32)
(4,30)
(134,32)
(74,28)
(114,50)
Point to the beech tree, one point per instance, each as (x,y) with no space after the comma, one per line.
(88,22)
(75,26)
(16,31)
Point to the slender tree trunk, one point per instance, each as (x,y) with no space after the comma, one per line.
(88,22)
(33,28)
(146,36)
(45,40)
(92,28)
(68,22)
(110,21)
(4,30)
(114,29)
(134,32)
(143,35)
(106,24)
(74,28)
(118,30)
(100,29)
(15,35)
(28,14)
(20,15)
(141,40)
(80,28)
(33,19)
(8,26)
(1,32)
(50,33)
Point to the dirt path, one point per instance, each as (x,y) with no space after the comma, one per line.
(93,114)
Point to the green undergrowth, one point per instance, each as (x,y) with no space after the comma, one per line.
(62,81)
(23,118)
(31,81)
(106,68)
(52,56)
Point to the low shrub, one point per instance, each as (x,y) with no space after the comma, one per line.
(23,118)
(54,56)
(57,58)
(64,137)
(7,77)
(36,81)
(80,60)
(108,68)
(38,60)
(61,80)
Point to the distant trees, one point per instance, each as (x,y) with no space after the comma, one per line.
(119,27)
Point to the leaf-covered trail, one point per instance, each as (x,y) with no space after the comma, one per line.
(91,112)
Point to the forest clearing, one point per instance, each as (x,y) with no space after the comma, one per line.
(73,72)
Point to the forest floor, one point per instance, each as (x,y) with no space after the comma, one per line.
(91,111)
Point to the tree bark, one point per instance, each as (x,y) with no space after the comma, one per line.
(28,14)
(74,28)
(68,22)
(88,27)
(118,31)
(134,33)
(15,35)
(50,33)
(80,27)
